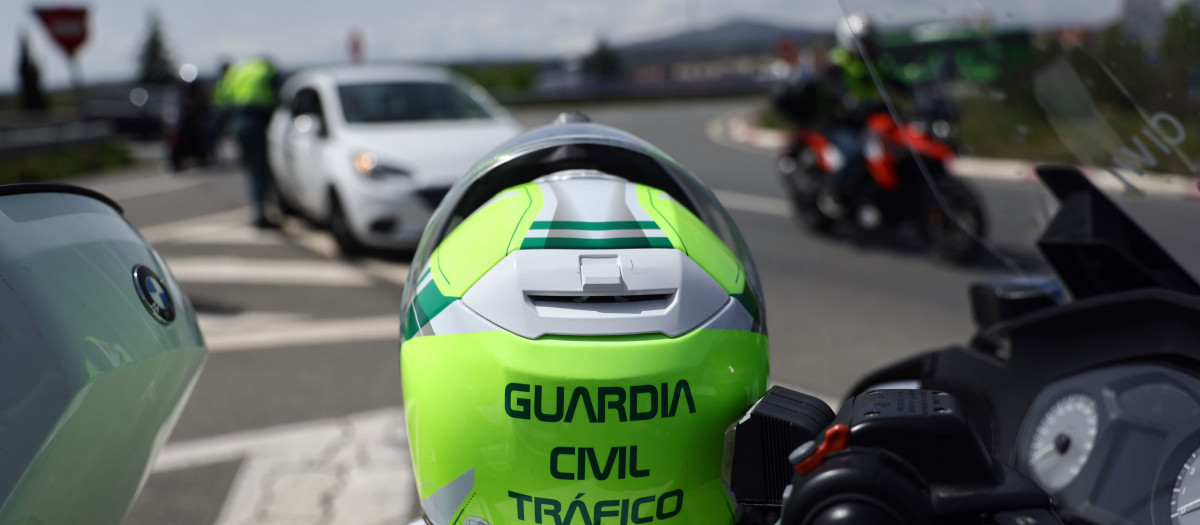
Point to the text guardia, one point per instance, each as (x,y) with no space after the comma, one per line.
(598,404)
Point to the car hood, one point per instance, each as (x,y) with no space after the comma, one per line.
(437,153)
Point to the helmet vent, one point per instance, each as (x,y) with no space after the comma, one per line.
(589,292)
(657,300)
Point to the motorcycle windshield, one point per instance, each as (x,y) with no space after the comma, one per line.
(1110,86)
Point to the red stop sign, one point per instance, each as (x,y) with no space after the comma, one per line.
(67,25)
(785,49)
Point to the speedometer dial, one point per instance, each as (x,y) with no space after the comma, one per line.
(1062,441)
(1185,497)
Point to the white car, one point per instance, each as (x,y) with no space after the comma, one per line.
(371,150)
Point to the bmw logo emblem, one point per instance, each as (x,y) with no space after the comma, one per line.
(154,294)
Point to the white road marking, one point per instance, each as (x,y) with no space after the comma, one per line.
(239,235)
(147,186)
(232,228)
(176,231)
(320,243)
(215,323)
(718,131)
(347,470)
(323,244)
(754,203)
(238,270)
(396,273)
(302,332)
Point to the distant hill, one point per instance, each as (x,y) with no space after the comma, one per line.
(730,38)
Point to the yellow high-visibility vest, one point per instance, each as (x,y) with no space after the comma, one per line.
(247,83)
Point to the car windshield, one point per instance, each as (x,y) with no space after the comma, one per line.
(407,102)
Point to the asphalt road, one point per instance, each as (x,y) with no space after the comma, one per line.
(296,416)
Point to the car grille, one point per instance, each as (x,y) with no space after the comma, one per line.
(433,196)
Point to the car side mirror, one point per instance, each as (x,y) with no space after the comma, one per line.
(310,123)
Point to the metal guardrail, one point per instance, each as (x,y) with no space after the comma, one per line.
(20,138)
(622,91)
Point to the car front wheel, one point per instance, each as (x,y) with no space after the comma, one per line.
(339,227)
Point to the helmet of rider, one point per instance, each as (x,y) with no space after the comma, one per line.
(857,35)
(582,322)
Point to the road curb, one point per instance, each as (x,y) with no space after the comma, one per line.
(738,129)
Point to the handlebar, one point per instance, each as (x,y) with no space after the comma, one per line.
(889,456)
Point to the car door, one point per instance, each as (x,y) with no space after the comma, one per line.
(307,138)
(277,146)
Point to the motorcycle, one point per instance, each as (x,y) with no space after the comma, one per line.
(1085,411)
(909,185)
(99,352)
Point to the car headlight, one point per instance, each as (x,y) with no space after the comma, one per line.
(368,164)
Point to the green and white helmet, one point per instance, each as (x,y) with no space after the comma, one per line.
(581,324)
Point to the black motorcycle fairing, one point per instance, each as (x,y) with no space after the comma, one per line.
(57,187)
(1133,302)
(1096,249)
(999,375)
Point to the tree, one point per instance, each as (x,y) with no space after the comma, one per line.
(154,62)
(32,97)
(1129,61)
(604,62)
(1180,47)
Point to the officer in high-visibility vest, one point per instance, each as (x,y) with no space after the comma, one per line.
(249,89)
(219,114)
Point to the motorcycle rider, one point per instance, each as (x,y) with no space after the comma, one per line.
(840,100)
(581,324)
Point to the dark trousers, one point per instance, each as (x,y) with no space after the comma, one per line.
(250,130)
(849,141)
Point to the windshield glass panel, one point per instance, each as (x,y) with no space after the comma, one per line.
(1108,86)
(407,102)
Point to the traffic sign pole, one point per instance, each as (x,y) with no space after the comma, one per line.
(67,25)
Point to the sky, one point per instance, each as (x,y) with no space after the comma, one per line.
(300,32)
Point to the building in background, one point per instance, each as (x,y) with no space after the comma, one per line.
(1143,21)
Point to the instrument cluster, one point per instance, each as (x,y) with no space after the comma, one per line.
(1117,445)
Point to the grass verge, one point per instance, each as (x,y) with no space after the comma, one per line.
(63,162)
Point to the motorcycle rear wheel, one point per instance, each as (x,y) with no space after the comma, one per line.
(804,180)
(954,235)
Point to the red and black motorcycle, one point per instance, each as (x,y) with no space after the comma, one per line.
(909,186)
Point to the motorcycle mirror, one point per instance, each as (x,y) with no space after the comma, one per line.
(1005,298)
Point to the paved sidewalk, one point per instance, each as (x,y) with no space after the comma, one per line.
(738,129)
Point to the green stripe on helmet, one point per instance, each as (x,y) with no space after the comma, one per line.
(750,302)
(429,302)
(581,225)
(569,243)
(477,245)
(694,238)
(410,325)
